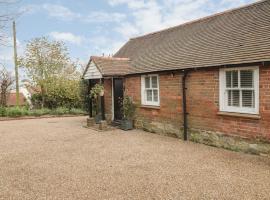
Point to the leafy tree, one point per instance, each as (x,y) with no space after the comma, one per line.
(48,65)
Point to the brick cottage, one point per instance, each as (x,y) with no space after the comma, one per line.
(208,79)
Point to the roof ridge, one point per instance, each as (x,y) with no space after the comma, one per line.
(200,19)
(109,58)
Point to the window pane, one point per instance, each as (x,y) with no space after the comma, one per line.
(154,82)
(229,97)
(246,78)
(234,79)
(236,98)
(149,95)
(147,82)
(155,92)
(228,79)
(248,99)
(233,98)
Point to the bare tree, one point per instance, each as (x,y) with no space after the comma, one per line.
(8,13)
(6,83)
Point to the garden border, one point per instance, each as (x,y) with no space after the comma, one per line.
(2,119)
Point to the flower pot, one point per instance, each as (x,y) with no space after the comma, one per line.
(101,93)
(98,118)
(126,125)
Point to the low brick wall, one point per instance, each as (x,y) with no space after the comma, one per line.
(234,143)
(231,142)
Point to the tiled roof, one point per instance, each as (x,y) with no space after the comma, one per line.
(109,66)
(233,37)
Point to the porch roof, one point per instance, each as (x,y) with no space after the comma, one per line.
(100,66)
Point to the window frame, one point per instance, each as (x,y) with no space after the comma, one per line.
(143,91)
(223,104)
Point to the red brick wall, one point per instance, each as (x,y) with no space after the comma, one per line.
(203,106)
(170,99)
(202,103)
(108,97)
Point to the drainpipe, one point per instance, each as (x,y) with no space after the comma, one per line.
(185,125)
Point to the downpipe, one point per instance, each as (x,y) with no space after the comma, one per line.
(184,103)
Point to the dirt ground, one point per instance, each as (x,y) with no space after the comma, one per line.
(59,159)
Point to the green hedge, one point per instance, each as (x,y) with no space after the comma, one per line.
(23,111)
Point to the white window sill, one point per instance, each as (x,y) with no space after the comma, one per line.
(150,107)
(241,115)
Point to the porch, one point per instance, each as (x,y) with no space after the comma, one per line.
(103,72)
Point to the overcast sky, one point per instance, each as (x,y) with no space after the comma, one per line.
(93,27)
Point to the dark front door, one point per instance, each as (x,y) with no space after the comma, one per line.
(118,98)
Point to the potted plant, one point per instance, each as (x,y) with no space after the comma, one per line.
(96,92)
(129,109)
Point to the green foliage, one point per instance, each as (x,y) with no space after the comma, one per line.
(129,108)
(61,111)
(24,111)
(36,100)
(96,91)
(44,59)
(76,111)
(3,111)
(84,94)
(49,67)
(16,112)
(62,92)
(39,112)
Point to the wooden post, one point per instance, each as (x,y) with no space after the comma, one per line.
(16,64)
(102,103)
(90,109)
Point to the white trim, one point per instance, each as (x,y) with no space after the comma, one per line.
(143,95)
(222,88)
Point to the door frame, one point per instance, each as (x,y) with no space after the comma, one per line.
(113,113)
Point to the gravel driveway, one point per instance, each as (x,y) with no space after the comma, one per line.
(59,159)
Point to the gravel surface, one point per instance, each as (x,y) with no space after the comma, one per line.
(59,159)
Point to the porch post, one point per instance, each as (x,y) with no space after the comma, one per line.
(102,103)
(90,99)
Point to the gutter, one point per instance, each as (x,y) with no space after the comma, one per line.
(184,103)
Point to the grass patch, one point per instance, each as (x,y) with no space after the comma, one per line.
(23,111)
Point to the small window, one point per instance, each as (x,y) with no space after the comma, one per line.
(150,90)
(239,90)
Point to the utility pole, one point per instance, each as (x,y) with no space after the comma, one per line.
(16,64)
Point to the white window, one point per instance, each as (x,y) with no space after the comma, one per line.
(239,90)
(150,90)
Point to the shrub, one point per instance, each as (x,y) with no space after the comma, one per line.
(40,112)
(36,100)
(76,111)
(129,108)
(3,112)
(16,112)
(84,94)
(24,111)
(60,111)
